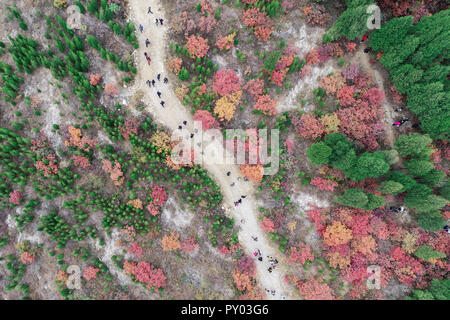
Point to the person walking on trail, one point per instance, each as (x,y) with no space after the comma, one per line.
(148,83)
(141,28)
(254,238)
(185,122)
(159,77)
(161,21)
(364,38)
(366,50)
(149,10)
(162,103)
(159,94)
(147,57)
(147,42)
(153,82)
(166,80)
(157,21)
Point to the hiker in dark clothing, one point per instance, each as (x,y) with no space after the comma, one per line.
(147,42)
(185,122)
(180,127)
(153,82)
(166,80)
(141,28)
(162,103)
(159,94)
(149,10)
(157,22)
(228,173)
(159,77)
(366,50)
(243,197)
(403,121)
(161,21)
(148,83)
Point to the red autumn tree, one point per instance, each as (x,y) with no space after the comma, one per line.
(130,126)
(189,245)
(226,82)
(345,95)
(255,87)
(95,79)
(316,14)
(15,197)
(312,289)
(260,21)
(206,23)
(197,46)
(266,105)
(50,168)
(136,249)
(267,225)
(308,126)
(90,273)
(81,161)
(207,119)
(277,77)
(27,257)
(159,195)
(144,272)
(301,253)
(323,184)
(174,64)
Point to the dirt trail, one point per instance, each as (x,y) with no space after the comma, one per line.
(173,115)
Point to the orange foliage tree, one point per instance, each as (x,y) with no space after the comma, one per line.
(171,242)
(337,234)
(254,173)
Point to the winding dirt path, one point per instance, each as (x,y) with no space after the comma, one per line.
(173,115)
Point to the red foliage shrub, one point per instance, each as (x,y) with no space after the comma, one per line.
(95,79)
(90,273)
(255,87)
(312,289)
(323,184)
(226,82)
(266,105)
(27,257)
(267,225)
(159,195)
(144,272)
(197,46)
(136,249)
(308,126)
(207,119)
(15,197)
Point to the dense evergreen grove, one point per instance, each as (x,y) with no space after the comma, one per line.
(417,59)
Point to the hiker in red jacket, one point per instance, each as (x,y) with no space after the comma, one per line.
(364,38)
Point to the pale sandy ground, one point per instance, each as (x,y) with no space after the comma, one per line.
(173,115)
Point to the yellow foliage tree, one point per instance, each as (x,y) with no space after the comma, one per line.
(60,3)
(162,141)
(331,122)
(226,106)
